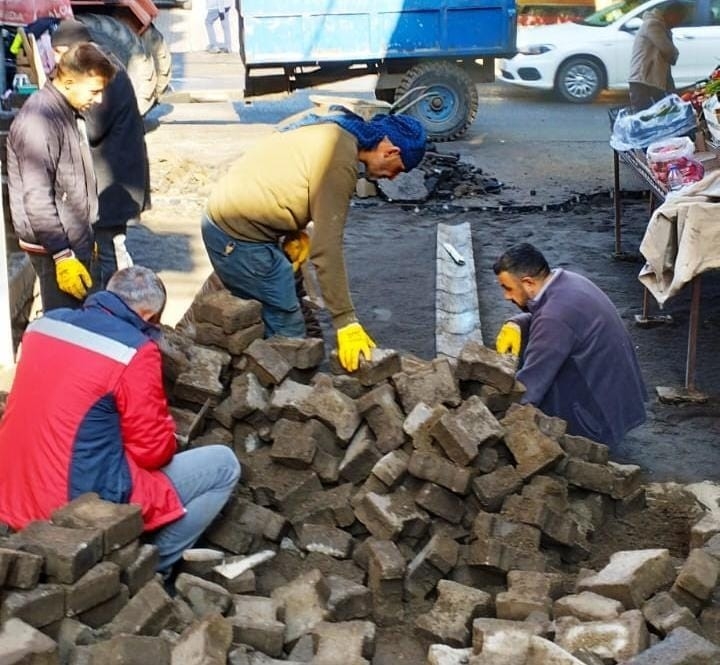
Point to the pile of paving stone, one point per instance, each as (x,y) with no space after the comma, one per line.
(408,483)
(440,176)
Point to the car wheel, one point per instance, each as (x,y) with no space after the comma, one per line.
(579,80)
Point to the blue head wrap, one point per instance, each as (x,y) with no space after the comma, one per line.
(407,134)
(403,131)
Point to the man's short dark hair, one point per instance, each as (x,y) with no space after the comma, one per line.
(679,8)
(522,260)
(85,59)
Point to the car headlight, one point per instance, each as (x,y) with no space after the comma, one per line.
(535,49)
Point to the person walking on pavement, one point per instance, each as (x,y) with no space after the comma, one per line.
(51,183)
(218,10)
(577,360)
(273,192)
(653,55)
(116,134)
(103,423)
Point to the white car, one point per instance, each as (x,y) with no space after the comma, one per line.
(579,60)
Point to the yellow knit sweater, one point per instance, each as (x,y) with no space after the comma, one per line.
(281,184)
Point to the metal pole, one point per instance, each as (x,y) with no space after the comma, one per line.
(618,205)
(7,353)
(692,335)
(3,66)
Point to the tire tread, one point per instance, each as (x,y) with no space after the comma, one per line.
(443,72)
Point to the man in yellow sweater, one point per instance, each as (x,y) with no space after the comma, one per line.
(272,193)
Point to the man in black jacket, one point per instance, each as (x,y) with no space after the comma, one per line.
(116,134)
(53,194)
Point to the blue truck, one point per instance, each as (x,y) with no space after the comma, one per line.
(426,53)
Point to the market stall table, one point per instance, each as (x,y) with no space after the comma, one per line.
(635,159)
(682,241)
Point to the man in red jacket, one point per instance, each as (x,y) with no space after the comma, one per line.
(87,413)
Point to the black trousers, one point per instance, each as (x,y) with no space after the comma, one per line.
(50,294)
(644,96)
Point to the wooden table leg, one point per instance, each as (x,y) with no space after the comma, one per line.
(644,320)
(692,335)
(619,255)
(689,393)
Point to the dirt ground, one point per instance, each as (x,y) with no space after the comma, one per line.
(390,254)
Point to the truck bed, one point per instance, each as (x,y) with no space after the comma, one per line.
(298,32)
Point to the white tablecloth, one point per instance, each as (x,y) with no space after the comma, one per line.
(682,238)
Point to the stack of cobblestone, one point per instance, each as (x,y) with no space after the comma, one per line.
(412,492)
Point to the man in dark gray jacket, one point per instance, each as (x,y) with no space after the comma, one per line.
(53,194)
(116,133)
(577,359)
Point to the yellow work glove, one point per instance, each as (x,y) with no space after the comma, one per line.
(72,276)
(509,339)
(16,44)
(297,248)
(352,340)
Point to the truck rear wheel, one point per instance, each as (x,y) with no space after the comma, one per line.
(156,46)
(449,102)
(127,47)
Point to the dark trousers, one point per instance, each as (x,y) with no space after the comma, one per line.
(644,96)
(111,257)
(257,271)
(50,294)
(312,324)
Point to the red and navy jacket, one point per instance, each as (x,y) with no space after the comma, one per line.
(87,412)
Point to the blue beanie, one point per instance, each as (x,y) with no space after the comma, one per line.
(405,133)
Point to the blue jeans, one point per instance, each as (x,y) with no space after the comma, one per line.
(257,271)
(204,478)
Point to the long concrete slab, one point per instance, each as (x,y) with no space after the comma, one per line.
(457,314)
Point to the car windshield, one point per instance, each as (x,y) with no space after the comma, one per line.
(611,14)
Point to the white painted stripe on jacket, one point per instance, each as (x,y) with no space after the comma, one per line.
(67,332)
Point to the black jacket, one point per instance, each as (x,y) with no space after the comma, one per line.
(117,141)
(53,201)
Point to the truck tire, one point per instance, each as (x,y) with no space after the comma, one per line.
(156,46)
(450,108)
(127,47)
(385,94)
